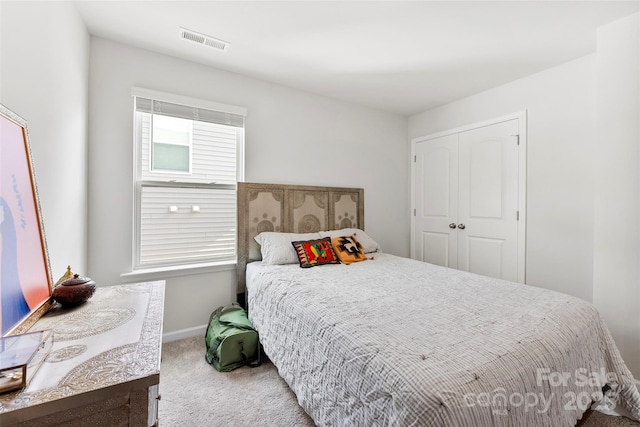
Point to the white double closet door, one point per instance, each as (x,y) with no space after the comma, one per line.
(467,201)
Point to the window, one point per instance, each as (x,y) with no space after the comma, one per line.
(170,144)
(189,158)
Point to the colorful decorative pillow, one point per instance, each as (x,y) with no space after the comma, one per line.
(368,244)
(348,249)
(315,252)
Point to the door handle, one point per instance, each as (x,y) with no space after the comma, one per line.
(452,225)
(462,226)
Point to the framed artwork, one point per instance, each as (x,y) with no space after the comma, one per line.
(25,275)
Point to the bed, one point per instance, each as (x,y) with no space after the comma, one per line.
(395,341)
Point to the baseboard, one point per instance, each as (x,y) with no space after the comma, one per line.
(184,333)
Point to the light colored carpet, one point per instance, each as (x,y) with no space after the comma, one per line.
(195,394)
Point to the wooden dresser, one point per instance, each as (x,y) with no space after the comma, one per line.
(104,366)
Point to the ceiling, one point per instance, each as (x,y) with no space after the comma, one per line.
(399,56)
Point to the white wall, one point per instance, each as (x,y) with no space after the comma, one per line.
(616,287)
(44,55)
(583,195)
(560,110)
(291,137)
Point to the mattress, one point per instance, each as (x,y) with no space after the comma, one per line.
(394,341)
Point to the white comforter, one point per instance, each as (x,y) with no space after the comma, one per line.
(393,341)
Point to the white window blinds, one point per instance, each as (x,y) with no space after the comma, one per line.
(186,177)
(186,112)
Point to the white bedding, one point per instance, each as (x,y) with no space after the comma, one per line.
(393,341)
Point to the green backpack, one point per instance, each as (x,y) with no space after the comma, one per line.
(231,340)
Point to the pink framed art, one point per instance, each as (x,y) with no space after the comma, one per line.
(25,276)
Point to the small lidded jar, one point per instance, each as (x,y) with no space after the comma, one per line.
(73,290)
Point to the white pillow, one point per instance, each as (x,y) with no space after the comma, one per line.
(368,244)
(276,248)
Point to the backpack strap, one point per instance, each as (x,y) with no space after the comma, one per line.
(237,325)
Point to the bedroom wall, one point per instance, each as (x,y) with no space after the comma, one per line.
(560,112)
(616,285)
(44,55)
(292,137)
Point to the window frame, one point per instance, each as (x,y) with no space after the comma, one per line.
(145,271)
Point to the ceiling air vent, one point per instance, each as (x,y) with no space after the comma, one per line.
(203,39)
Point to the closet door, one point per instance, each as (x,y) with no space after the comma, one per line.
(436,188)
(488,200)
(466,198)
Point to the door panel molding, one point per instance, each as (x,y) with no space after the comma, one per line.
(490,263)
(435,248)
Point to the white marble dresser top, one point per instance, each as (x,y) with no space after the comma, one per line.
(112,339)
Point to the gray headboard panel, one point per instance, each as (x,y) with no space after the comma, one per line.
(291,209)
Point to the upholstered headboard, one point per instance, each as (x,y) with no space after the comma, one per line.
(291,209)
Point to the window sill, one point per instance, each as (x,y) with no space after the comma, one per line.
(159,273)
